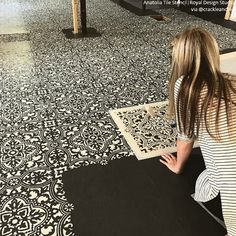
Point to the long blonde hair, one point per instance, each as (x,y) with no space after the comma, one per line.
(195,56)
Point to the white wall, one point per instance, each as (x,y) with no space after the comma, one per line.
(233,13)
(227,63)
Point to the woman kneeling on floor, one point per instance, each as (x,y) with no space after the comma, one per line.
(203,100)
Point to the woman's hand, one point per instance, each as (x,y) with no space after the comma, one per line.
(171,162)
(176,164)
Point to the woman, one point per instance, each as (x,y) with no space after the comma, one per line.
(204,103)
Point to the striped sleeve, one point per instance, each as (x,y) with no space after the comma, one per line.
(180,135)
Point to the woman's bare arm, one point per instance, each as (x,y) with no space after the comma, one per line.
(176,164)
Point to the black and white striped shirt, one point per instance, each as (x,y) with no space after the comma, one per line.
(220,161)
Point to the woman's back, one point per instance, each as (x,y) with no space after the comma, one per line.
(227,130)
(220,160)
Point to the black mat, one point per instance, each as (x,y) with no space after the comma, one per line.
(216,17)
(137,198)
(212,16)
(137,7)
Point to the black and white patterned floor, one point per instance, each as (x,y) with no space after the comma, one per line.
(55,94)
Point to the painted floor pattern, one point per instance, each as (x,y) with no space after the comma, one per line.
(55,95)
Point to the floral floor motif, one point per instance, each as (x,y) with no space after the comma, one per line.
(148,133)
(55,95)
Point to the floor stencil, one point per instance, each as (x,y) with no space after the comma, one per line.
(146,129)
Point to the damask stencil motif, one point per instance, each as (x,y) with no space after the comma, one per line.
(147,134)
(147,129)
